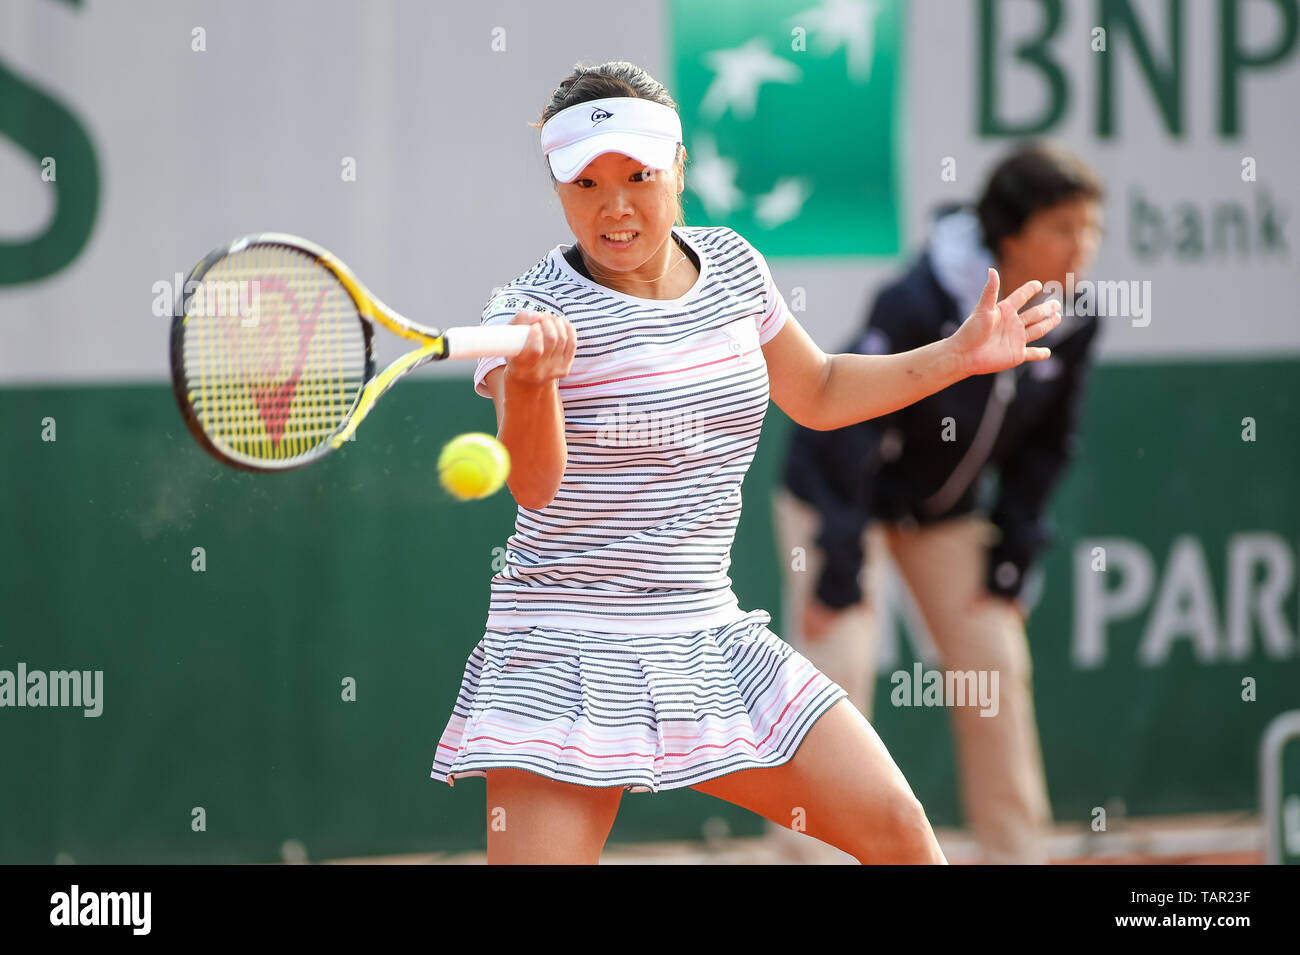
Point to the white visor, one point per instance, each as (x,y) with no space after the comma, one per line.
(647,131)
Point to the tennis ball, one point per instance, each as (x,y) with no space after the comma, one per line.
(473,465)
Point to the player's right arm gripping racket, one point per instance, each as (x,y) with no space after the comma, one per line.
(271,351)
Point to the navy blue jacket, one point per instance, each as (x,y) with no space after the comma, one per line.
(899,467)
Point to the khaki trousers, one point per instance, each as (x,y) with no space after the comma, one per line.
(999,758)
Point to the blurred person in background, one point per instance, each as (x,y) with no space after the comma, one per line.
(916,483)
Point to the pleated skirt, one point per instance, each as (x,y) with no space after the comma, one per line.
(644,712)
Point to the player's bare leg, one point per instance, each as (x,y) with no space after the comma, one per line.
(532,820)
(843,788)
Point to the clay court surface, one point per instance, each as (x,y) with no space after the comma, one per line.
(1229,839)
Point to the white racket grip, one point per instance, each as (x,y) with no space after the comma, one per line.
(486,341)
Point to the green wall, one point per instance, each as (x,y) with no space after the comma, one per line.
(222,689)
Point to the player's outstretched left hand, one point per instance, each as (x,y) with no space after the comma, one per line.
(997,334)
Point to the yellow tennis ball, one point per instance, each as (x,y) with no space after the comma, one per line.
(473,465)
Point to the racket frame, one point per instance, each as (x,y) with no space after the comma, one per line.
(370,309)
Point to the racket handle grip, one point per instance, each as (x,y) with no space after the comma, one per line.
(486,341)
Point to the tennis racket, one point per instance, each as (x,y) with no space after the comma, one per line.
(271,351)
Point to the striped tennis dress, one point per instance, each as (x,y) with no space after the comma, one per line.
(615,652)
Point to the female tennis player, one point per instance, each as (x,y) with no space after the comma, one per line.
(616,656)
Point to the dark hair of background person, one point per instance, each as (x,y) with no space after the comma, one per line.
(1034,177)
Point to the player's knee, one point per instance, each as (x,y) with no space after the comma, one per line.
(900,833)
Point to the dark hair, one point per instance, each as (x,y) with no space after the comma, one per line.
(1036,176)
(614,78)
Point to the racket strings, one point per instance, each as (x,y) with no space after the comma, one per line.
(274,353)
